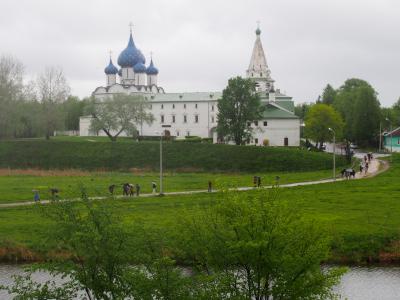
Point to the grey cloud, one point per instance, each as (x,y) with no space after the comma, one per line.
(198,45)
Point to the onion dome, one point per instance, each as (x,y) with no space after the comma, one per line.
(139,68)
(152,70)
(120,72)
(131,55)
(111,69)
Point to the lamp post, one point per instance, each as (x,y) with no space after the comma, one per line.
(334,150)
(391,140)
(161,158)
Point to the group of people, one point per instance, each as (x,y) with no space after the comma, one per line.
(54,192)
(128,189)
(364,164)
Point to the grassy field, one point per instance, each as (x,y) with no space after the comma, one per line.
(363,216)
(17,185)
(180,157)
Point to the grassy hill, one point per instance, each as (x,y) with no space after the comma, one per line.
(94,155)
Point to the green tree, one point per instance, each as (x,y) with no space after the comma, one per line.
(301,110)
(239,104)
(121,113)
(73,109)
(366,116)
(348,102)
(11,91)
(319,119)
(328,95)
(257,247)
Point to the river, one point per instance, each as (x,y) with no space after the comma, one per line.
(359,283)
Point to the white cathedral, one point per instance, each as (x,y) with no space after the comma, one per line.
(195,114)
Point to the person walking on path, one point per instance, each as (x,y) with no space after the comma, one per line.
(209,186)
(154,187)
(137,189)
(366,168)
(36,196)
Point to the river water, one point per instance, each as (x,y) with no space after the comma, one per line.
(359,283)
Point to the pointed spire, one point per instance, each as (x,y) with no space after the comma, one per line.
(258,30)
(258,67)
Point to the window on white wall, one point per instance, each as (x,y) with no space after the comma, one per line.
(256,141)
(173,119)
(162,119)
(195,105)
(162,106)
(212,107)
(196,118)
(212,119)
(265,123)
(184,106)
(184,119)
(173,106)
(177,133)
(256,123)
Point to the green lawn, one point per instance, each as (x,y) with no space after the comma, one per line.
(15,188)
(363,216)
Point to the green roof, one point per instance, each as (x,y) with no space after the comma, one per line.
(273,112)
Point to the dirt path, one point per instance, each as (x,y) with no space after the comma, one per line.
(375,167)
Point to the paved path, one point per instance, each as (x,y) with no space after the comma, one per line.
(376,167)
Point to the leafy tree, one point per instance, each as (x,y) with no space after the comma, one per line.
(118,114)
(257,247)
(11,90)
(239,104)
(53,90)
(347,101)
(366,116)
(73,109)
(319,119)
(301,110)
(328,95)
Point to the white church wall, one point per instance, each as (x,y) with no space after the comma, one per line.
(276,130)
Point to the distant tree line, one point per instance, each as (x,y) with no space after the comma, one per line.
(36,108)
(353,111)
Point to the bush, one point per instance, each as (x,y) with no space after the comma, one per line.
(85,155)
(266,142)
(207,140)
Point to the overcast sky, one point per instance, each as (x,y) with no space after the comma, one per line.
(198,45)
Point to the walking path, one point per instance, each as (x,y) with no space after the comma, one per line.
(375,167)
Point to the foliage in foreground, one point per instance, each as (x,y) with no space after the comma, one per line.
(240,248)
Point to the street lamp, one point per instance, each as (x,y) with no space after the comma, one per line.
(334,150)
(161,159)
(391,139)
